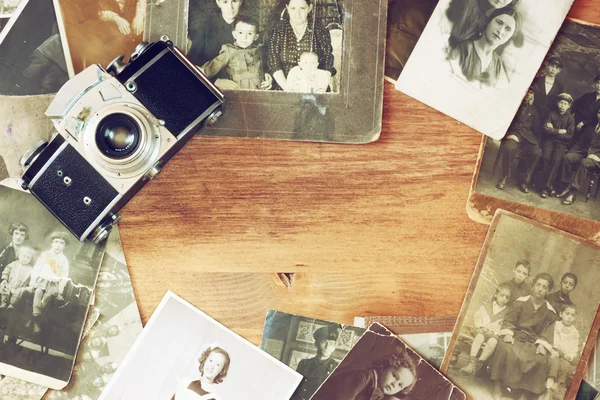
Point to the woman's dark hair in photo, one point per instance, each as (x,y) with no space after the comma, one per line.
(399,359)
(204,356)
(20,227)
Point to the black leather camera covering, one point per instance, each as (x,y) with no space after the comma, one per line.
(66,202)
(173,93)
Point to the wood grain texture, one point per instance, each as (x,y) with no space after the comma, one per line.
(377,229)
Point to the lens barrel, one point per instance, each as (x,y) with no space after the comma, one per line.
(118,136)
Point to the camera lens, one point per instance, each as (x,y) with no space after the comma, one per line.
(118,136)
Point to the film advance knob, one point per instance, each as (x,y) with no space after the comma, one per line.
(139,49)
(31,154)
(116,66)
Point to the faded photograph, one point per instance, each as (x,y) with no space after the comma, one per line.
(46,282)
(96,32)
(381,366)
(112,334)
(33,59)
(182,353)
(550,156)
(527,314)
(406,21)
(312,347)
(288,45)
(483,52)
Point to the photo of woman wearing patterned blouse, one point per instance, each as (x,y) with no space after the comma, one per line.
(296,33)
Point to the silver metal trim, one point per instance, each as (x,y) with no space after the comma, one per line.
(48,163)
(149,64)
(100,217)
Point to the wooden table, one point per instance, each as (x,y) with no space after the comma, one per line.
(377,229)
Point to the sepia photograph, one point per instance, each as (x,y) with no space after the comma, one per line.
(428,336)
(406,22)
(96,32)
(34,61)
(284,65)
(529,318)
(287,45)
(112,333)
(310,346)
(550,156)
(47,278)
(381,366)
(183,353)
(485,53)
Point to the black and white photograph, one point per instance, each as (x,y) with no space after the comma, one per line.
(34,61)
(183,353)
(96,32)
(117,326)
(7,9)
(476,58)
(288,45)
(587,392)
(591,381)
(406,22)
(307,70)
(312,347)
(550,156)
(528,315)
(381,366)
(47,278)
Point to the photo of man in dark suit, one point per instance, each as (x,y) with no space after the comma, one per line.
(315,370)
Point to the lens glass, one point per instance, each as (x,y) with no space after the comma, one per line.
(118,136)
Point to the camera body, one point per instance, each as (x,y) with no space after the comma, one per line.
(116,129)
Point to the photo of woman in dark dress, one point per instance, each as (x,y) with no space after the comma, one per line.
(213,366)
(520,361)
(296,33)
(477,59)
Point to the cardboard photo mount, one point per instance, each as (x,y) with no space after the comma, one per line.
(590,342)
(353,115)
(482,208)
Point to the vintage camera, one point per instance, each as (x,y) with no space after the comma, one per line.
(117,128)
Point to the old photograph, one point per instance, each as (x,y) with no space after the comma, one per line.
(289,45)
(428,336)
(183,353)
(47,278)
(381,366)
(33,59)
(406,21)
(115,329)
(7,9)
(96,32)
(312,347)
(550,156)
(528,320)
(476,58)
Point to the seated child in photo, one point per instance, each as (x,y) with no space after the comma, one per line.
(15,278)
(49,276)
(242,59)
(488,321)
(565,347)
(560,298)
(306,77)
(518,285)
(558,132)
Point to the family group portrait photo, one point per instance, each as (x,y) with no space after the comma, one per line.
(285,45)
(34,60)
(527,315)
(483,52)
(312,347)
(47,279)
(550,156)
(206,361)
(381,366)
